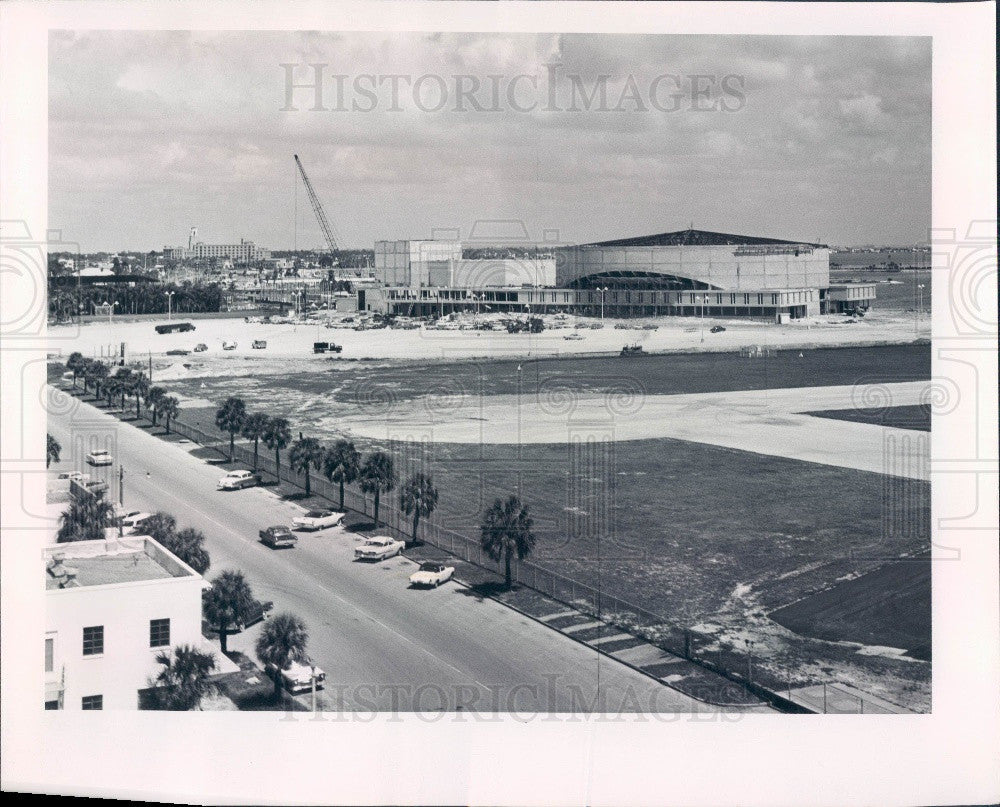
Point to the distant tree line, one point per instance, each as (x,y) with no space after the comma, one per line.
(142,298)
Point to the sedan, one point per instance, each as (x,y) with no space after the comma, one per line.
(237,480)
(317,520)
(378,548)
(432,573)
(100,458)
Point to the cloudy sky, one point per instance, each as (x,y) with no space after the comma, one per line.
(812,138)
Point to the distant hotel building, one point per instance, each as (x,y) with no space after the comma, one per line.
(110,607)
(243,252)
(684,273)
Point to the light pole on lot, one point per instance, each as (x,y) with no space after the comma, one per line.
(312,678)
(749,660)
(920,299)
(602,289)
(702,298)
(170,295)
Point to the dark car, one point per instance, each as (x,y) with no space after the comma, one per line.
(254,614)
(716,329)
(278,537)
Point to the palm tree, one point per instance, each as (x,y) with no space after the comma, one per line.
(188,545)
(86,520)
(276,436)
(154,395)
(112,386)
(125,380)
(169,407)
(230,417)
(341,464)
(306,453)
(139,389)
(254,427)
(229,599)
(97,372)
(161,527)
(75,364)
(418,498)
(378,475)
(85,364)
(52,450)
(282,641)
(184,679)
(506,530)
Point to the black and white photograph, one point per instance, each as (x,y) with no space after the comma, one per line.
(554,376)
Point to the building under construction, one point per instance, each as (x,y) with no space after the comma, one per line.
(685,273)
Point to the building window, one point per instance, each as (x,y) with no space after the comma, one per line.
(159,632)
(92,702)
(51,706)
(50,652)
(93,641)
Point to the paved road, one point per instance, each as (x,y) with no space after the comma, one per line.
(382,644)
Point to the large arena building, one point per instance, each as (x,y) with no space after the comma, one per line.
(683,273)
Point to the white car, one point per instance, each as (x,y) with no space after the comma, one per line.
(299,677)
(237,480)
(100,458)
(378,548)
(79,477)
(317,520)
(229,345)
(132,521)
(431,573)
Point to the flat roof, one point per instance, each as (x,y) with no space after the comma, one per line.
(133,559)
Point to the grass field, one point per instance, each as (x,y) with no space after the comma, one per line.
(898,417)
(890,607)
(700,534)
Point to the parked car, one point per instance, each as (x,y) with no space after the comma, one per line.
(259,344)
(716,329)
(81,477)
(298,678)
(133,521)
(631,350)
(573,337)
(100,458)
(378,548)
(278,536)
(230,345)
(317,520)
(432,573)
(237,480)
(178,352)
(255,613)
(201,347)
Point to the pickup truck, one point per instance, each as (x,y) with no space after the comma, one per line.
(278,537)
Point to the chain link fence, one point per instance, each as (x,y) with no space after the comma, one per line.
(698,647)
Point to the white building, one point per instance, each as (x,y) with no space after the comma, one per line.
(440,263)
(110,607)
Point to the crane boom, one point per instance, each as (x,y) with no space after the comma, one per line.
(317,206)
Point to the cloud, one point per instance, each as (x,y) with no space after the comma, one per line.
(188,125)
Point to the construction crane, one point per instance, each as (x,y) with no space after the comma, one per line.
(317,206)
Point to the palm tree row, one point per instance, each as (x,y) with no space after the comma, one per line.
(340,463)
(125,383)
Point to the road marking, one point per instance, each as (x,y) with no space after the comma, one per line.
(334,595)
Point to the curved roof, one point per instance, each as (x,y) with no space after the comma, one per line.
(695,238)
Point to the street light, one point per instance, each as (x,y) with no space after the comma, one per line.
(111,310)
(703,299)
(602,290)
(920,299)
(170,295)
(749,660)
